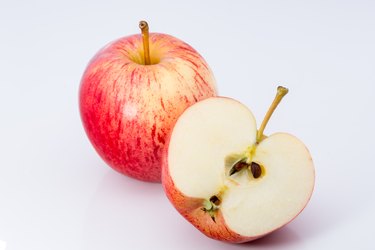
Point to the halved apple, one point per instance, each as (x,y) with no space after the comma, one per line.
(228,179)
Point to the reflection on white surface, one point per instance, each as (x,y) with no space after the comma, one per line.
(3,245)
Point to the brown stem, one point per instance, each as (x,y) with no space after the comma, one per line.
(143,25)
(281,92)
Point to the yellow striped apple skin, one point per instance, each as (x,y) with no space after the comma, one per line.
(128,108)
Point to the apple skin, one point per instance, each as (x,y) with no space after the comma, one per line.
(191,208)
(128,109)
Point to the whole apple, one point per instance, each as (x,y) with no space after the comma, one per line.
(128,105)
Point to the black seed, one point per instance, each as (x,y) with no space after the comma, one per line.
(237,167)
(215,200)
(256,170)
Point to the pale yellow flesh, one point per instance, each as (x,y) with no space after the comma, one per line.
(261,205)
(211,130)
(201,139)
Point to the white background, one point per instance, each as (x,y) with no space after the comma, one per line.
(56,193)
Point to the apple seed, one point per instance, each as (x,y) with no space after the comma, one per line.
(238,166)
(215,200)
(256,170)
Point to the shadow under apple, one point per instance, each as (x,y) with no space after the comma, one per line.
(126,212)
(285,236)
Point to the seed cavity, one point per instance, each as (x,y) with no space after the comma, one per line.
(236,163)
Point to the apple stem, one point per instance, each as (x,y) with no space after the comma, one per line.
(143,25)
(281,92)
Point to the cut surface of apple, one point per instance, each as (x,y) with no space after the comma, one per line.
(215,162)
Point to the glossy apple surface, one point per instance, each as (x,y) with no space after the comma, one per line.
(128,108)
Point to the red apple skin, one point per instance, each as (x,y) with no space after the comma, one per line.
(191,209)
(128,109)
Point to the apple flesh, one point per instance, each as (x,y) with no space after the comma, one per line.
(226,183)
(128,108)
